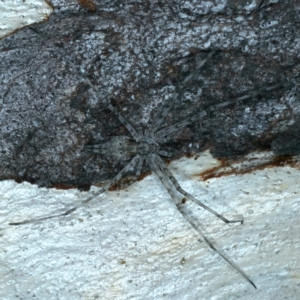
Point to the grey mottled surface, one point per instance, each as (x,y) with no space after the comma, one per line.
(137,54)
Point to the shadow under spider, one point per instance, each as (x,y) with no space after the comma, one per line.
(145,148)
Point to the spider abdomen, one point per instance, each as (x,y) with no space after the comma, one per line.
(118,148)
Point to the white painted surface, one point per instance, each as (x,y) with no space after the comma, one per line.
(16,14)
(130,244)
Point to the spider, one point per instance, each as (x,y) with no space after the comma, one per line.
(145,147)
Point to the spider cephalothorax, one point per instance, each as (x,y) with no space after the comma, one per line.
(146,147)
(120,148)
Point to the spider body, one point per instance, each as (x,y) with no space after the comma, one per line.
(120,148)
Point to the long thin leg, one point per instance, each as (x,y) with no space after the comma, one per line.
(208,57)
(154,167)
(212,246)
(164,153)
(179,125)
(136,175)
(257,8)
(169,175)
(175,127)
(251,94)
(155,125)
(167,184)
(162,136)
(104,189)
(129,127)
(135,134)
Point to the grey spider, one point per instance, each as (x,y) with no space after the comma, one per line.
(144,147)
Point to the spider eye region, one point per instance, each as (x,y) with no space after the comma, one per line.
(145,148)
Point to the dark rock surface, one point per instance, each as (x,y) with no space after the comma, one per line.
(137,54)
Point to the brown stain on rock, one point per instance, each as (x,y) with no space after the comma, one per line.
(241,166)
(88,4)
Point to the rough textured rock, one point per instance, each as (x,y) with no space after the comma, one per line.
(136,55)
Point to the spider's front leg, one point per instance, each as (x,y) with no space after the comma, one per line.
(170,183)
(212,246)
(164,135)
(166,172)
(136,135)
(135,176)
(128,167)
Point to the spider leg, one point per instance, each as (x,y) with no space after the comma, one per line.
(162,140)
(155,168)
(208,57)
(155,125)
(150,131)
(164,153)
(258,7)
(251,94)
(212,246)
(169,175)
(163,135)
(166,181)
(129,127)
(129,166)
(175,127)
(159,135)
(136,176)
